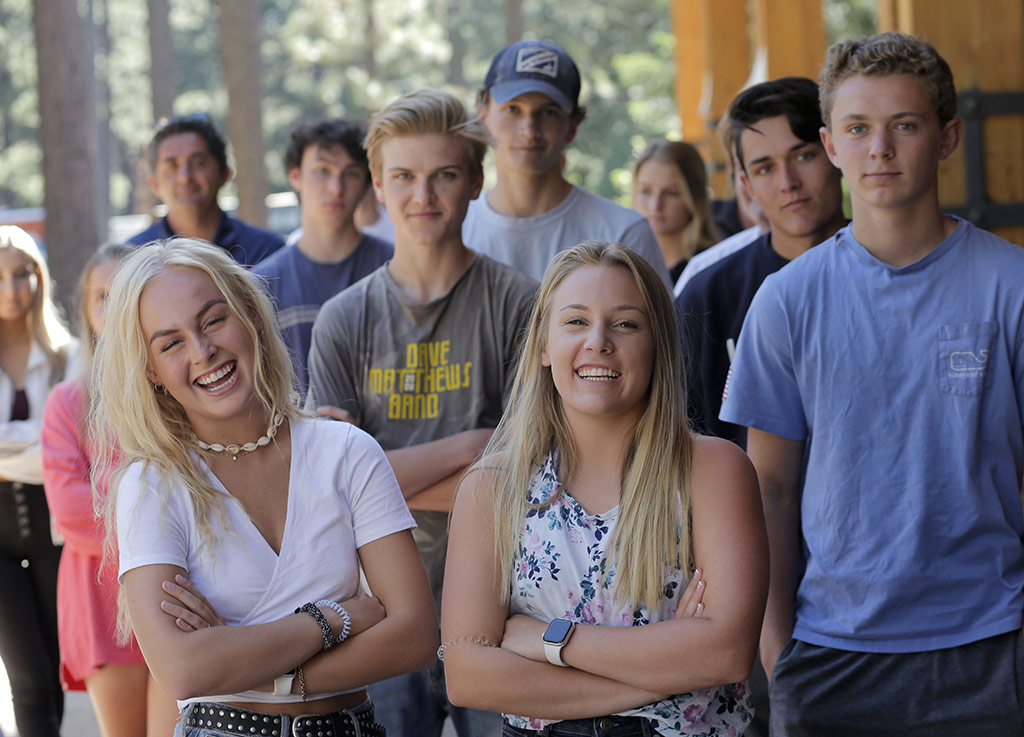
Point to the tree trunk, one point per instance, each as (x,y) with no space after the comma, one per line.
(240,51)
(457,77)
(99,33)
(67,133)
(162,63)
(370,44)
(513,20)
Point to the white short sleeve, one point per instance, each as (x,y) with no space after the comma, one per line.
(378,507)
(154,524)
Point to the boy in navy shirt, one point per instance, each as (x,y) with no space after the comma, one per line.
(327,167)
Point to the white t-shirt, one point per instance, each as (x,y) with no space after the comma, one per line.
(529,244)
(342,494)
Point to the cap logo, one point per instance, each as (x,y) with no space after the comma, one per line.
(537,60)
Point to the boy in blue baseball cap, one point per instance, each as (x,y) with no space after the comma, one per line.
(530,105)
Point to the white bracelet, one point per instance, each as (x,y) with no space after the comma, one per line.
(346,620)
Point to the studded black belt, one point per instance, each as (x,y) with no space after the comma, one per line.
(231,720)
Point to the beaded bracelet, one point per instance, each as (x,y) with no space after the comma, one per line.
(325,626)
(463,640)
(346,620)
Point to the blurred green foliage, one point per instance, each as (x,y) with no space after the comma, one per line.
(316,63)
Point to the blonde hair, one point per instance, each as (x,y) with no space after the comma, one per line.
(427,111)
(692,177)
(656,471)
(129,420)
(46,326)
(884,54)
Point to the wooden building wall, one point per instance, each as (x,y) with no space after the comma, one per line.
(725,45)
(983,41)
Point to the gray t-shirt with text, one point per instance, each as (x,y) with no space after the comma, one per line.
(410,373)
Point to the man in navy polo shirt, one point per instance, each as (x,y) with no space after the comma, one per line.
(189,164)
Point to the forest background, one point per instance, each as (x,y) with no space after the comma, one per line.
(308,59)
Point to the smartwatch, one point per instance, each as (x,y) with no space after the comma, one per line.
(555,637)
(283,684)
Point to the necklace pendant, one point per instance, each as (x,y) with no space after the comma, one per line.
(234,458)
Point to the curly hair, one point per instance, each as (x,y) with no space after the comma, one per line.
(885,54)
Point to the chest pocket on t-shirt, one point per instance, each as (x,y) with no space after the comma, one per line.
(965,352)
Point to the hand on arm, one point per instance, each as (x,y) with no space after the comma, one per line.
(193,611)
(779,462)
(524,634)
(404,640)
(335,413)
(214,659)
(730,547)
(498,679)
(20,455)
(418,467)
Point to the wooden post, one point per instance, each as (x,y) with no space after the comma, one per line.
(713,61)
(789,38)
(984,45)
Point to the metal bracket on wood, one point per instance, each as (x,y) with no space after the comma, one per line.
(974,106)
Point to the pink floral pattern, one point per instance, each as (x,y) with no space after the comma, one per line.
(562,571)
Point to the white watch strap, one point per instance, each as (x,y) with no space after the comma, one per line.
(553,652)
(283,684)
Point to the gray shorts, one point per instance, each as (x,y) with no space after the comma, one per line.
(972,690)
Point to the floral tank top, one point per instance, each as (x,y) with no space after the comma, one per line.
(559,572)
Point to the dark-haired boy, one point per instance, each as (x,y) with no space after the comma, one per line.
(327,168)
(882,378)
(784,168)
(530,105)
(188,164)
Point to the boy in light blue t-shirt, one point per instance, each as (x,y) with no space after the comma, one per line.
(882,378)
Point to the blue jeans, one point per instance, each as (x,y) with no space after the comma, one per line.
(416,704)
(609,726)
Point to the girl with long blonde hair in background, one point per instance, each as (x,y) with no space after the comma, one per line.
(670,189)
(36,352)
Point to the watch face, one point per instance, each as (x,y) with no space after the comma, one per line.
(557,631)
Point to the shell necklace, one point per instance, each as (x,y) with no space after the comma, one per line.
(233,449)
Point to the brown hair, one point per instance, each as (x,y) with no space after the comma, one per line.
(884,54)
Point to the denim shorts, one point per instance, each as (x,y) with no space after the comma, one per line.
(609,726)
(206,719)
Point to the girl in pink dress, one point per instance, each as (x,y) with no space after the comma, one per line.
(127,701)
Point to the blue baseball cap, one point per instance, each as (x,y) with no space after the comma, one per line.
(534,66)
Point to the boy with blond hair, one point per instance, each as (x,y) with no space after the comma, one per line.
(421,353)
(882,378)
